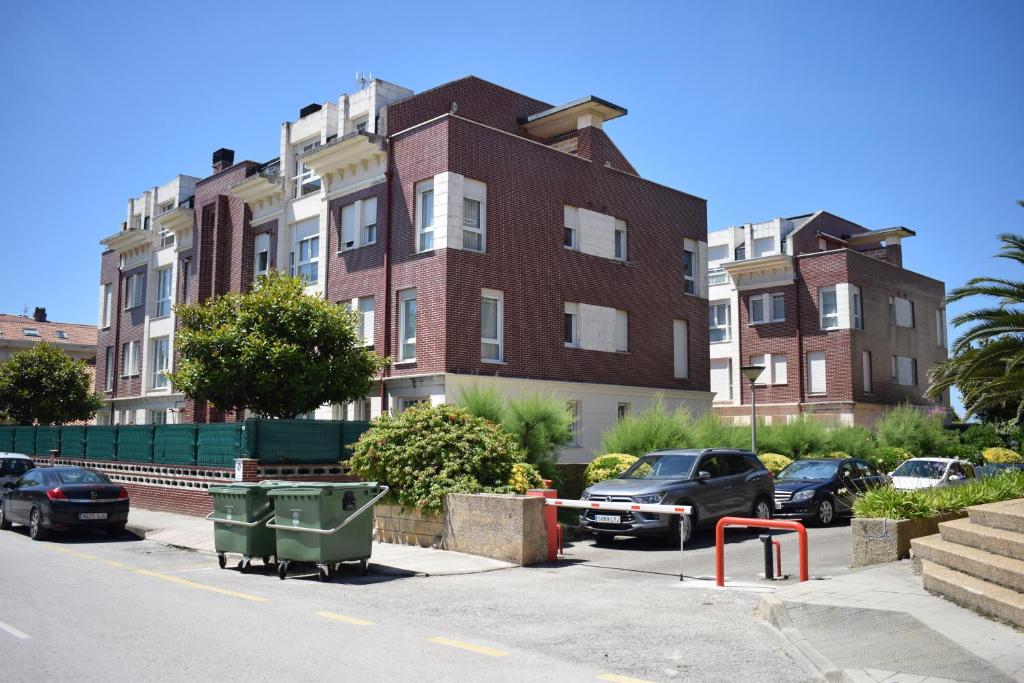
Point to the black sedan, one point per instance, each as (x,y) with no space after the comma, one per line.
(58,498)
(822,490)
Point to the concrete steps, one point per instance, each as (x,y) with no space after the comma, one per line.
(1008,515)
(1002,571)
(974,593)
(994,540)
(978,562)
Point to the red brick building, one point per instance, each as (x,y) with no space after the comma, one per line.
(843,330)
(484,236)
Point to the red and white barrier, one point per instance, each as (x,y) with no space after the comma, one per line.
(613,506)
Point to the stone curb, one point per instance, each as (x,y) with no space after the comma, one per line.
(773,611)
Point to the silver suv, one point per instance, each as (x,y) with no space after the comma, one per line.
(716,482)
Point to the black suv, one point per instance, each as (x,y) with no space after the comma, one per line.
(822,490)
(716,482)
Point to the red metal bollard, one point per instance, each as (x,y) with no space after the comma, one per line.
(550,520)
(761,524)
(778,559)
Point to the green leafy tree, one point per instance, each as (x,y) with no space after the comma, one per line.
(987,362)
(908,428)
(44,385)
(275,351)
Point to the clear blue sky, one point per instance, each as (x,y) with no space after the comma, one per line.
(905,113)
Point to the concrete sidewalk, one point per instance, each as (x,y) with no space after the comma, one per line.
(196,533)
(879,624)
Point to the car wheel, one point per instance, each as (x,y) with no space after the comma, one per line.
(603,538)
(5,523)
(825,513)
(35,526)
(762,509)
(674,535)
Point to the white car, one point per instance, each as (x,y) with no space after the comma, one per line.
(926,473)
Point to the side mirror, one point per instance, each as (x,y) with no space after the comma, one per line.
(703,475)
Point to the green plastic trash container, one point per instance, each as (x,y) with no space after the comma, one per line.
(240,513)
(324,524)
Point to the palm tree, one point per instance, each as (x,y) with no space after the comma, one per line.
(987,363)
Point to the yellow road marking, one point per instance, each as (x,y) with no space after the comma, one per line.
(616,678)
(341,617)
(114,563)
(479,649)
(192,584)
(84,556)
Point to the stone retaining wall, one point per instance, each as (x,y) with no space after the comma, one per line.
(392,524)
(878,540)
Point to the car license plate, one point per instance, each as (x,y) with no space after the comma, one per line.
(611,519)
(92,515)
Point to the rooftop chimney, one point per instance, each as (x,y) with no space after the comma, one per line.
(39,315)
(309,109)
(223,158)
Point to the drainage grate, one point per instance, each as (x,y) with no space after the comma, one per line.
(856,637)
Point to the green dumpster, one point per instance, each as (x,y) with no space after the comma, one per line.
(324,524)
(240,513)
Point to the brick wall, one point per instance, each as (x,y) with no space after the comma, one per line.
(527,186)
(132,328)
(594,144)
(814,271)
(778,338)
(109,275)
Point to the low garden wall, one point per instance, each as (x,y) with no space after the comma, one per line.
(879,540)
(504,527)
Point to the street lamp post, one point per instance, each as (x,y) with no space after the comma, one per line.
(752,372)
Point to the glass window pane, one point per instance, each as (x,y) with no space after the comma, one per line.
(570,325)
(757,310)
(490,351)
(314,247)
(489,318)
(778,307)
(471,213)
(427,209)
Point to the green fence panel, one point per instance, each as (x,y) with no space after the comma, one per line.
(47,439)
(135,443)
(101,443)
(296,441)
(25,440)
(6,439)
(72,442)
(350,433)
(218,444)
(175,444)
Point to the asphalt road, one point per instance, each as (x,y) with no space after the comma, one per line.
(96,609)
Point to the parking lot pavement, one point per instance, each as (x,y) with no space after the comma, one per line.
(135,609)
(828,550)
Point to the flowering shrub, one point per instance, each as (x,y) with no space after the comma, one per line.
(524,477)
(996,454)
(774,462)
(889,458)
(427,452)
(607,466)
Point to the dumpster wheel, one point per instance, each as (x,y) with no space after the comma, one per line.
(222,560)
(363,564)
(282,569)
(324,572)
(267,562)
(245,564)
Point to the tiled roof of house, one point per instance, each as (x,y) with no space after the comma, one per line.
(23,328)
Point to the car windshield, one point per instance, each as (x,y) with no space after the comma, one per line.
(82,477)
(806,470)
(658,466)
(9,466)
(925,469)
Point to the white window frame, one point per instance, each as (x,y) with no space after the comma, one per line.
(572,317)
(894,316)
(690,272)
(366,308)
(160,350)
(307,270)
(570,228)
(134,293)
(856,308)
(911,368)
(109,376)
(166,238)
(824,375)
(158,417)
(767,303)
(130,359)
(261,248)
(940,327)
(107,306)
(621,331)
(368,221)
(619,246)
(404,341)
(164,292)
(498,298)
(477,230)
(680,360)
(715,321)
(424,222)
(822,318)
(771,362)
(304,176)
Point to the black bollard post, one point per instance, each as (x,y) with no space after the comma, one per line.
(766,540)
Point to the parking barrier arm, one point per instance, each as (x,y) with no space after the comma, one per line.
(327,532)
